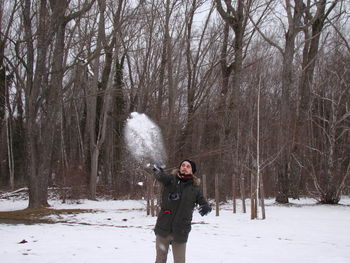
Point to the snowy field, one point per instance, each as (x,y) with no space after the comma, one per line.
(120,231)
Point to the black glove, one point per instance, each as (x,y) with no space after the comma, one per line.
(204,209)
(157,168)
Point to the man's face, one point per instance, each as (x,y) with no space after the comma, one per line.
(185,168)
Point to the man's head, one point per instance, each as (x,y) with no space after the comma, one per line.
(187,167)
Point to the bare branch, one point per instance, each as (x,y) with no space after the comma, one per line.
(267,39)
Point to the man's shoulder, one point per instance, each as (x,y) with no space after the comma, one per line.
(196,181)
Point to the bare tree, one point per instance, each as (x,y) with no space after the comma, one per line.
(5,80)
(294,15)
(315,21)
(195,87)
(97,136)
(41,94)
(34,86)
(236,39)
(166,65)
(82,66)
(235,18)
(329,164)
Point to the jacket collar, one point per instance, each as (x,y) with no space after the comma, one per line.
(185,178)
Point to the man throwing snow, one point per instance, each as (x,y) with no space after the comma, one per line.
(180,195)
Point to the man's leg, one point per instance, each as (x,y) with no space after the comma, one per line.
(179,252)
(162,247)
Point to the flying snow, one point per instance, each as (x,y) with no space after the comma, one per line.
(144,139)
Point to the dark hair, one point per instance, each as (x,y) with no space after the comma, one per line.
(192,163)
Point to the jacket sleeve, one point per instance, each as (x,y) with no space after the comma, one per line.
(162,177)
(200,198)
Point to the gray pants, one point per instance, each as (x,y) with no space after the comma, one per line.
(162,247)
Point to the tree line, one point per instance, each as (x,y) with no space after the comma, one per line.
(255,91)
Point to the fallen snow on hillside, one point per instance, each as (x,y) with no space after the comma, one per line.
(120,231)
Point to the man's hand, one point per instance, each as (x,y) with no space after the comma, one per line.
(157,168)
(204,209)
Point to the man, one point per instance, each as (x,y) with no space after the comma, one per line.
(181,193)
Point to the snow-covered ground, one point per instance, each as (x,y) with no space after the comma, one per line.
(120,231)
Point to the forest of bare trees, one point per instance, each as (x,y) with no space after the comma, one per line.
(246,88)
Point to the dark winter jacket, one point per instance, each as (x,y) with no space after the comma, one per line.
(178,201)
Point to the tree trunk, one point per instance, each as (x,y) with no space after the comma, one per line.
(234,193)
(217,195)
(10,151)
(119,117)
(252,198)
(310,52)
(94,172)
(243,198)
(262,199)
(38,181)
(99,113)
